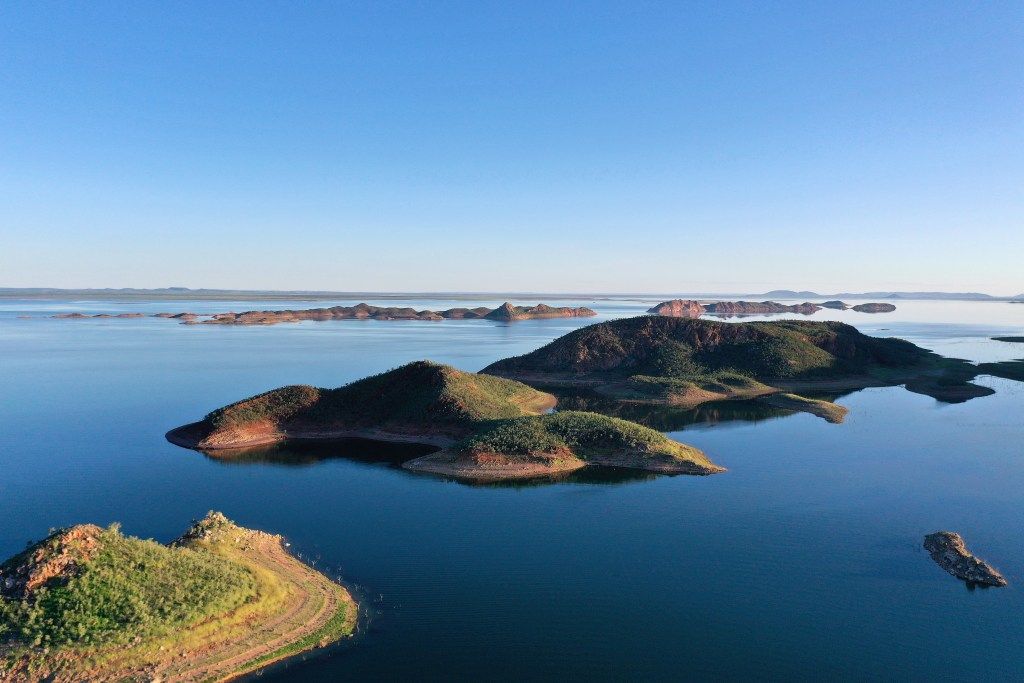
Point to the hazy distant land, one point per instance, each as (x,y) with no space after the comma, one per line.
(203,294)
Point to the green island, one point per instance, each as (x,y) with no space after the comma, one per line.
(687,362)
(488,428)
(90,603)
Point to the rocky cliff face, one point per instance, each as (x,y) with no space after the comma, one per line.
(678,308)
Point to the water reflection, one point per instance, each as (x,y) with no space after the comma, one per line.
(591,475)
(305,452)
(667,418)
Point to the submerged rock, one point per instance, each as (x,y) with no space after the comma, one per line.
(949,552)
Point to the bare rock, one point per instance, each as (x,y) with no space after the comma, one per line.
(678,308)
(950,552)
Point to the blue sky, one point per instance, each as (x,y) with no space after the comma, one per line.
(659,147)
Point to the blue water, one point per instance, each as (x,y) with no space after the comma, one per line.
(803,561)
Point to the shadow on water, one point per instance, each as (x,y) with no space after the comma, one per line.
(305,452)
(593,475)
(667,418)
(308,452)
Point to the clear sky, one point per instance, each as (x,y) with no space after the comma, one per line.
(548,146)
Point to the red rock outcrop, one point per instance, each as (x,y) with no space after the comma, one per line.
(678,308)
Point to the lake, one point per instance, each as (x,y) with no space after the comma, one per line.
(803,561)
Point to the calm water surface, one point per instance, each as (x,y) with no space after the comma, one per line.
(804,560)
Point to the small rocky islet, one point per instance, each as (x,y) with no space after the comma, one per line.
(950,552)
(90,603)
(874,308)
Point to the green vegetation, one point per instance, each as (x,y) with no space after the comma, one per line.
(588,436)
(1007,369)
(694,349)
(437,404)
(696,389)
(90,603)
(689,361)
(277,405)
(417,398)
(130,588)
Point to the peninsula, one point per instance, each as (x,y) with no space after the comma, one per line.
(89,603)
(488,428)
(687,362)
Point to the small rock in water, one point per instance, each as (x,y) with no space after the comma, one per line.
(950,552)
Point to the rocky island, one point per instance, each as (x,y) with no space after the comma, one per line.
(688,308)
(874,308)
(1011,340)
(89,603)
(737,308)
(83,316)
(835,304)
(678,308)
(687,362)
(950,552)
(505,312)
(488,428)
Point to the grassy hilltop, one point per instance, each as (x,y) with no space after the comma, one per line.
(419,401)
(562,442)
(89,603)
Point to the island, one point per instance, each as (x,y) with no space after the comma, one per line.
(1011,340)
(487,428)
(678,308)
(835,304)
(506,312)
(950,552)
(874,308)
(688,308)
(562,442)
(90,603)
(83,316)
(687,362)
(735,308)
